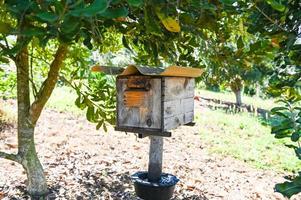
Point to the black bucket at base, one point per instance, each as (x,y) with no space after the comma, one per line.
(154,191)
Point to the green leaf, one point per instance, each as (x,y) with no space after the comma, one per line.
(90,114)
(80,103)
(125,43)
(240,43)
(70,25)
(34,31)
(288,189)
(298,152)
(105,127)
(152,25)
(276,109)
(99,124)
(115,13)
(5,28)
(87,42)
(276,5)
(47,16)
(282,114)
(77,101)
(155,52)
(228,2)
(114,2)
(295,137)
(135,3)
(97,7)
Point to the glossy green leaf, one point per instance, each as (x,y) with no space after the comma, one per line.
(295,137)
(90,114)
(47,16)
(105,127)
(97,7)
(240,43)
(99,124)
(288,189)
(276,5)
(33,31)
(115,13)
(135,3)
(70,25)
(275,109)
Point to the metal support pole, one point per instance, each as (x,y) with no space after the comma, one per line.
(155,158)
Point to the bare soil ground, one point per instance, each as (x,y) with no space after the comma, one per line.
(82,163)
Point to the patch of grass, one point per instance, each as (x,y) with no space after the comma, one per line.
(229,96)
(63,99)
(242,136)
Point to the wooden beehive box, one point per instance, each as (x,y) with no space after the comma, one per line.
(153,101)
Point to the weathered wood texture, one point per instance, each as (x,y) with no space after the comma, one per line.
(155,158)
(178,88)
(139,102)
(178,101)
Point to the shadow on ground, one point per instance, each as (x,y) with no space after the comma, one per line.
(106,184)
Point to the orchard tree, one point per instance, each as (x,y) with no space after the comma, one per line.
(233,57)
(158,27)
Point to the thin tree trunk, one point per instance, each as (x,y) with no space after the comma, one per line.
(29,114)
(238,97)
(257,90)
(26,147)
(236,86)
(36,185)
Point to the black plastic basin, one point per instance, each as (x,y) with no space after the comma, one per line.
(161,190)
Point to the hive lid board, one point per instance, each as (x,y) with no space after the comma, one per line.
(150,71)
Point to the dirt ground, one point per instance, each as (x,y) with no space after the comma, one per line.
(82,163)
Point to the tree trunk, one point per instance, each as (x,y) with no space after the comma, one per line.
(238,97)
(26,147)
(36,181)
(236,86)
(257,90)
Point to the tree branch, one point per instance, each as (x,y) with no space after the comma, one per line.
(12,157)
(49,84)
(6,47)
(2,46)
(270,19)
(33,85)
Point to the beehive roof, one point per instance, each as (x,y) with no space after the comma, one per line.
(150,71)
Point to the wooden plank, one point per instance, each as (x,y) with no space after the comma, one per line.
(144,131)
(155,158)
(188,104)
(188,117)
(138,108)
(179,106)
(173,122)
(178,120)
(178,88)
(139,82)
(135,98)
